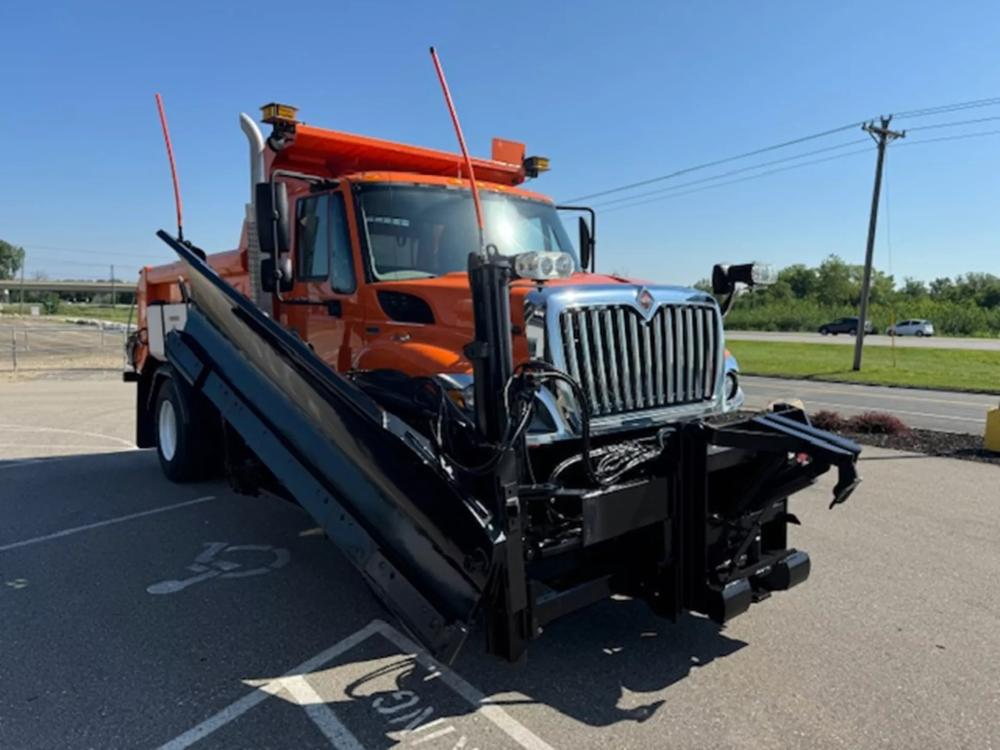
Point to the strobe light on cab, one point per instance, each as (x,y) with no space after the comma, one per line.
(274,113)
(535,165)
(281,118)
(542,265)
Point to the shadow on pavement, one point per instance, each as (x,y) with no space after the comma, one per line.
(588,667)
(583,665)
(593,666)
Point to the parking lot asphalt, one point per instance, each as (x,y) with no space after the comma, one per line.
(139,613)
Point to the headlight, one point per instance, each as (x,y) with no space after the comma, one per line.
(543,264)
(459,389)
(464,397)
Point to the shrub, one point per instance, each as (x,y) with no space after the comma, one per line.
(828,420)
(51,303)
(877,423)
(953,318)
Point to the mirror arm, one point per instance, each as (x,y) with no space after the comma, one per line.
(727,303)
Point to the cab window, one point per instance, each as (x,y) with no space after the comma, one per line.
(314,236)
(324,246)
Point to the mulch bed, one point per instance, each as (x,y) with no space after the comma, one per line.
(933,443)
(930,442)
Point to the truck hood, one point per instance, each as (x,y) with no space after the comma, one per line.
(450,299)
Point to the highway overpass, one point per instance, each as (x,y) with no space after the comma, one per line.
(14,286)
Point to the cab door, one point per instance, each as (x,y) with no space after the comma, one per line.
(323,307)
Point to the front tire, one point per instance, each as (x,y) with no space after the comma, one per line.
(184,432)
(920,334)
(852,332)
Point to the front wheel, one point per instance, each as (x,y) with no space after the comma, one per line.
(183,433)
(852,332)
(920,334)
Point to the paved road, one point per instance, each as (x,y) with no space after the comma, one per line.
(114,636)
(935,342)
(932,410)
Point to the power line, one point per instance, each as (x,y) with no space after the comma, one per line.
(947,138)
(741,179)
(952,124)
(715,163)
(731,172)
(974,104)
(942,109)
(793,166)
(60,262)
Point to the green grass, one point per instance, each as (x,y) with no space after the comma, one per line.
(951,369)
(117,314)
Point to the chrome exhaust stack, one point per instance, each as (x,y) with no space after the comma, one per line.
(255,139)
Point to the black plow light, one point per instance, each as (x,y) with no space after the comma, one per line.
(725,277)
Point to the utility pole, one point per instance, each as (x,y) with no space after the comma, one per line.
(24,262)
(881,135)
(112,286)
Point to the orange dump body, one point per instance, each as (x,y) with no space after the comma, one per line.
(351,330)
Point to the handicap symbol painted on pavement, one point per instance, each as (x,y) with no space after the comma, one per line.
(207,565)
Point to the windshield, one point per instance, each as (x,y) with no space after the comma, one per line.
(417,232)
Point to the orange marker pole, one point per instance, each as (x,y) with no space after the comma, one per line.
(173,168)
(465,150)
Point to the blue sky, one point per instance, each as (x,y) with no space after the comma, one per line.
(612,92)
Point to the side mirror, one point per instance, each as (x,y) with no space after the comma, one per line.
(271,215)
(586,244)
(725,277)
(276,277)
(271,204)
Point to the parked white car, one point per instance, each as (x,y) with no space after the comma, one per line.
(913,327)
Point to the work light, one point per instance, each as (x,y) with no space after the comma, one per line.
(543,264)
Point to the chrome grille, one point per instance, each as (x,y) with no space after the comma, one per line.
(624,363)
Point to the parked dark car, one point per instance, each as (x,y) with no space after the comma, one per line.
(845,325)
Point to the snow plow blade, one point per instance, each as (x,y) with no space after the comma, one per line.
(370,481)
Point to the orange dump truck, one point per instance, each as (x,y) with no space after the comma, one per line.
(379,234)
(506,432)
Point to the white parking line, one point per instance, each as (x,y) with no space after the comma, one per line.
(517,731)
(294,682)
(99,524)
(236,709)
(321,714)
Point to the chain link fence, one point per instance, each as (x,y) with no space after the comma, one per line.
(37,346)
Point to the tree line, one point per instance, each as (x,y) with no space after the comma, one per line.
(804,298)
